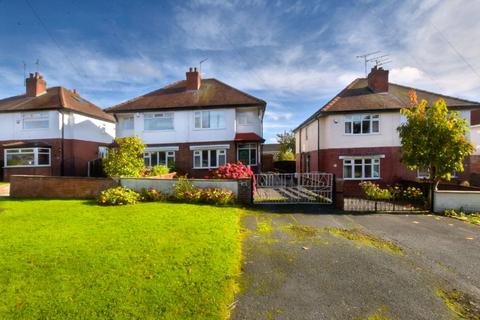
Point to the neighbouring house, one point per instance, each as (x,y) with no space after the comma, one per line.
(355,134)
(195,125)
(270,153)
(51,131)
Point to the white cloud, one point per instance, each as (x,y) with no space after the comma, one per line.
(406,75)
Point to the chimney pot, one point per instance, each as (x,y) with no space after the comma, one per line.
(36,85)
(378,80)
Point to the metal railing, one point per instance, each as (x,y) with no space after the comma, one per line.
(294,188)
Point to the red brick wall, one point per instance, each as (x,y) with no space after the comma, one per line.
(184,157)
(58,187)
(391,169)
(77,153)
(267,162)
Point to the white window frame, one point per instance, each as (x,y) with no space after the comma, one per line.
(168,155)
(219,153)
(32,117)
(351,119)
(122,121)
(350,161)
(35,152)
(200,115)
(423,173)
(159,115)
(251,147)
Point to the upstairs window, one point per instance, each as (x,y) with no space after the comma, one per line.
(362,124)
(27,157)
(209,119)
(35,120)
(158,121)
(126,123)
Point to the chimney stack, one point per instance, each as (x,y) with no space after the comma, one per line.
(378,80)
(193,79)
(35,85)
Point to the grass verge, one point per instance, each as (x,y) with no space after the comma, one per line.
(471,217)
(75,260)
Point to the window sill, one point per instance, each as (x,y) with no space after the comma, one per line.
(362,134)
(39,166)
(160,130)
(359,179)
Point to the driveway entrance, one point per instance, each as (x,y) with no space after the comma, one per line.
(297,188)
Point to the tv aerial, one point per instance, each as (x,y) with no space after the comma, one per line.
(374,57)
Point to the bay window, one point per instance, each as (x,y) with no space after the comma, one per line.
(35,120)
(210,158)
(209,119)
(156,158)
(158,121)
(361,168)
(247,154)
(362,124)
(27,157)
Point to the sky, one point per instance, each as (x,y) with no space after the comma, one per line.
(296,55)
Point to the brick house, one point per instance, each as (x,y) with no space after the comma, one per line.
(355,134)
(195,125)
(51,131)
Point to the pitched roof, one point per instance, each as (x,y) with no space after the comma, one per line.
(56,98)
(357,96)
(212,93)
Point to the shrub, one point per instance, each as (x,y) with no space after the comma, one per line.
(374,192)
(287,155)
(125,160)
(413,194)
(118,196)
(217,196)
(152,195)
(233,171)
(159,170)
(185,191)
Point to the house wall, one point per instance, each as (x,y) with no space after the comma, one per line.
(184,129)
(76,155)
(11,127)
(81,127)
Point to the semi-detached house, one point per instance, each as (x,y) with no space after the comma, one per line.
(355,134)
(195,125)
(51,131)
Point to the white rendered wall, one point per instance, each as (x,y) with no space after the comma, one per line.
(183,129)
(81,127)
(254,122)
(475,138)
(449,199)
(309,138)
(11,127)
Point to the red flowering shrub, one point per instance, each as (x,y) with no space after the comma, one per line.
(233,171)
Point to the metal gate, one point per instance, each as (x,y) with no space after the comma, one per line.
(273,188)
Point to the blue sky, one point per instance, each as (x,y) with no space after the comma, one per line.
(294,54)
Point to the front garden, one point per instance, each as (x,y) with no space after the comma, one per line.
(77,260)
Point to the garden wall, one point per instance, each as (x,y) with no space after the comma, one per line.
(456,199)
(25,186)
(241,188)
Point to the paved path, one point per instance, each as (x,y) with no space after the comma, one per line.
(321,275)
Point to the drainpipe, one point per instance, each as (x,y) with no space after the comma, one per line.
(318,144)
(62,166)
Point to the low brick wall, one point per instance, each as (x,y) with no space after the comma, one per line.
(25,186)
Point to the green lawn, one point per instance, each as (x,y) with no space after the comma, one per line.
(75,260)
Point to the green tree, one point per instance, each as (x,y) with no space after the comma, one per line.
(125,159)
(434,138)
(287,144)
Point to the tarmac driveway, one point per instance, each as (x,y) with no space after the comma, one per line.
(331,266)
